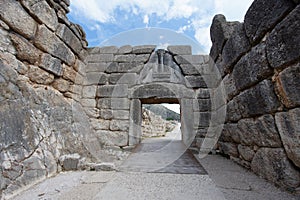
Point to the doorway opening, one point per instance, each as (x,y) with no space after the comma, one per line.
(161,120)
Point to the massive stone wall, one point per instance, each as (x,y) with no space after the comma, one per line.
(260,64)
(41,56)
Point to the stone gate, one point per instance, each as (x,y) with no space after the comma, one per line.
(120,80)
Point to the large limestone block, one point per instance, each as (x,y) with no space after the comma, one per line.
(260,132)
(272,164)
(288,124)
(220,32)
(288,86)
(112,91)
(69,38)
(49,42)
(40,76)
(230,133)
(143,49)
(25,50)
(51,64)
(180,49)
(284,40)
(263,15)
(251,68)
(235,47)
(258,100)
(12,13)
(42,11)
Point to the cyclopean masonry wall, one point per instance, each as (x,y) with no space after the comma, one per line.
(41,55)
(260,64)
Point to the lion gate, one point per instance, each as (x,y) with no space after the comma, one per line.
(119,80)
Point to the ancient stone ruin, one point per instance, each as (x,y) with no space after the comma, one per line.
(62,102)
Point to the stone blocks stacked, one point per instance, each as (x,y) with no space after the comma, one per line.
(259,63)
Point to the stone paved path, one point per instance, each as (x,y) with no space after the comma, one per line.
(160,169)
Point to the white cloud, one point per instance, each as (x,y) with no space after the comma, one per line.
(198,14)
(146,20)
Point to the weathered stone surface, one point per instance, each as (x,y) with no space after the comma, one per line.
(42,11)
(237,45)
(96,67)
(251,68)
(69,162)
(228,149)
(288,86)
(113,138)
(120,114)
(95,78)
(106,114)
(132,67)
(89,91)
(233,113)
(220,32)
(100,124)
(230,133)
(273,165)
(61,85)
(202,119)
(180,49)
(47,41)
(190,59)
(258,100)
(246,152)
(112,91)
(153,91)
(125,58)
(202,105)
(51,64)
(109,50)
(25,50)
(91,103)
(69,73)
(119,125)
(229,86)
(113,103)
(260,132)
(263,15)
(283,41)
(66,35)
(125,49)
(143,49)
(142,58)
(203,93)
(135,130)
(21,21)
(6,44)
(190,69)
(128,78)
(195,82)
(40,76)
(288,124)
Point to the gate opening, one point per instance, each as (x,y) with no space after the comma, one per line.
(161,120)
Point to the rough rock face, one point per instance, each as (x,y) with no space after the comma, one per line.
(259,63)
(39,122)
(154,126)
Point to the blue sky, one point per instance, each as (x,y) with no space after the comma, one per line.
(160,22)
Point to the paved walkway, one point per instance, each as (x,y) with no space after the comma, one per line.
(160,169)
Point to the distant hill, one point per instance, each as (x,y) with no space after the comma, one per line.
(162,111)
